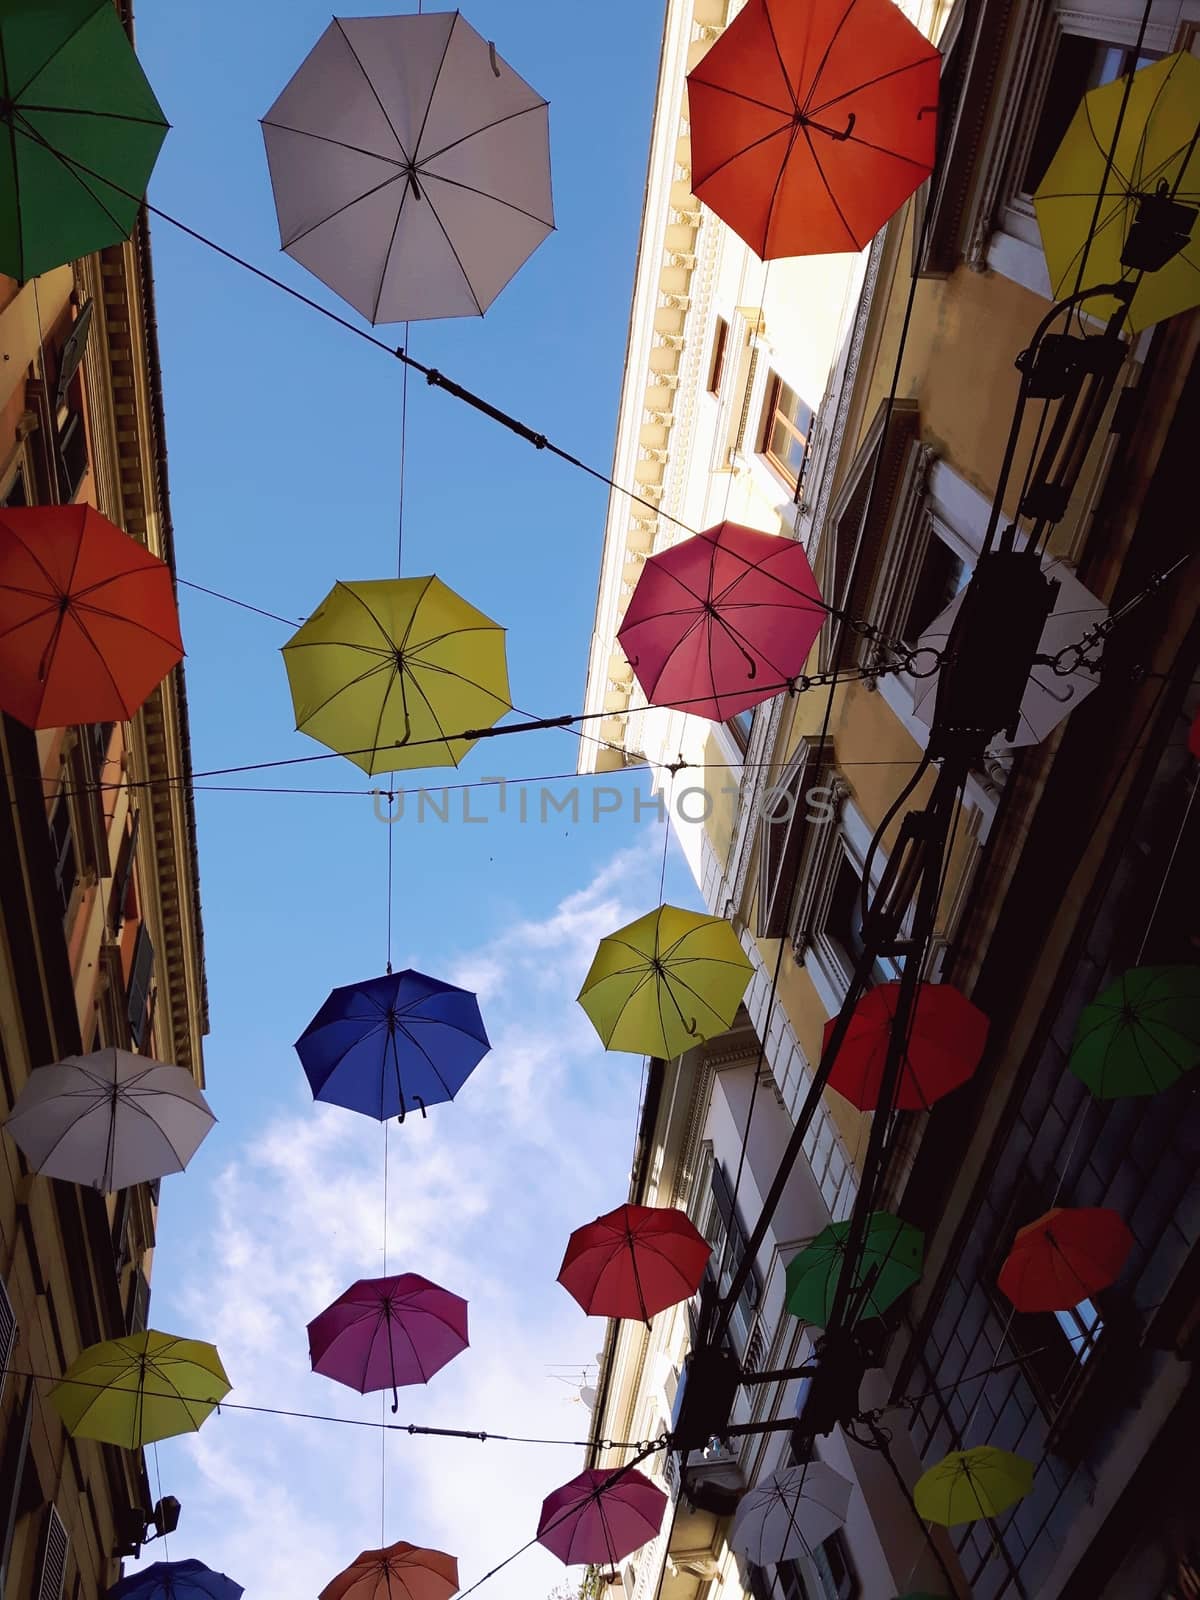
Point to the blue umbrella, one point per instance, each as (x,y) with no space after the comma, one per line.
(176,1580)
(393,1044)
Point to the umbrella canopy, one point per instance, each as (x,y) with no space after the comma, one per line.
(88,621)
(390,671)
(401,1572)
(176,1580)
(634,1261)
(1065,1257)
(592,1520)
(1156,154)
(385,1333)
(1050,693)
(143,1387)
(790,1513)
(81,136)
(411,166)
(389,1045)
(109,1119)
(889,1265)
(1141,1034)
(721,621)
(969,1484)
(944,1047)
(665,982)
(811,125)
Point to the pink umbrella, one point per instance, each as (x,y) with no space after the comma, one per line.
(723,621)
(387,1332)
(590,1521)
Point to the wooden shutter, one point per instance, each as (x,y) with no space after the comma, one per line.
(120,889)
(139,985)
(53,1567)
(137,1315)
(8,1333)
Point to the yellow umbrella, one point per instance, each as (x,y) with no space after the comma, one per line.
(969,1484)
(1154,177)
(144,1387)
(665,982)
(386,672)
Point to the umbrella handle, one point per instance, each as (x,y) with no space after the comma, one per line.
(492,53)
(404,1112)
(395,1401)
(691,1025)
(849,129)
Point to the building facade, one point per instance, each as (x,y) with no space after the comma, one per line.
(1069,863)
(100,928)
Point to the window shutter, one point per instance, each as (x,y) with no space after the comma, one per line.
(54,1558)
(8,1333)
(139,985)
(781,840)
(723,1195)
(120,889)
(138,1313)
(72,355)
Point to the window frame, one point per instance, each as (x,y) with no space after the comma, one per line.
(718,356)
(770,414)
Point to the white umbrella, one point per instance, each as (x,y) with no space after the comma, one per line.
(1049,695)
(411,166)
(790,1513)
(109,1119)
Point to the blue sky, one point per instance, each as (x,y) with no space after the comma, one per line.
(283,435)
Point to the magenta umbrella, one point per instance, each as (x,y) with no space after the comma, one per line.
(722,621)
(592,1520)
(384,1333)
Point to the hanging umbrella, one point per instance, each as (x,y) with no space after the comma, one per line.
(601,1516)
(1051,693)
(790,1513)
(944,1046)
(411,166)
(1141,1034)
(1152,186)
(176,1580)
(82,132)
(1065,1257)
(722,621)
(392,1044)
(143,1387)
(665,982)
(392,672)
(109,1119)
(889,1265)
(969,1484)
(401,1572)
(634,1262)
(386,1333)
(811,125)
(88,621)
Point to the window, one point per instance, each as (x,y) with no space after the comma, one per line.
(787,423)
(72,455)
(716,366)
(740,726)
(844,923)
(138,994)
(724,1231)
(62,845)
(827,1575)
(118,905)
(943,573)
(8,1333)
(1082,1325)
(137,1305)
(52,1568)
(1080,64)
(14,494)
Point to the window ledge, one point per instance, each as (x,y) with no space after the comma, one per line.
(1022,262)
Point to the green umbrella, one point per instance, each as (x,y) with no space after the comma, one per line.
(890,1264)
(80,131)
(1141,1034)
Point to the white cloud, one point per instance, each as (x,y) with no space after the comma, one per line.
(482,1197)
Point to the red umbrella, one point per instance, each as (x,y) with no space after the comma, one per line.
(722,621)
(387,1332)
(591,1520)
(88,620)
(1064,1257)
(944,1047)
(401,1572)
(634,1261)
(812,124)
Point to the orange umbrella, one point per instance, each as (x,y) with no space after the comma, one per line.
(401,1572)
(812,124)
(1064,1257)
(88,621)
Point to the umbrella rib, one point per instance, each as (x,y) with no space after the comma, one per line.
(353,683)
(779,56)
(387,255)
(72,167)
(437,78)
(26,622)
(338,144)
(456,183)
(82,626)
(433,1066)
(744,151)
(375,93)
(86,111)
(869,83)
(58,49)
(105,614)
(510,116)
(828,190)
(824,61)
(12,146)
(367,194)
(455,254)
(739,94)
